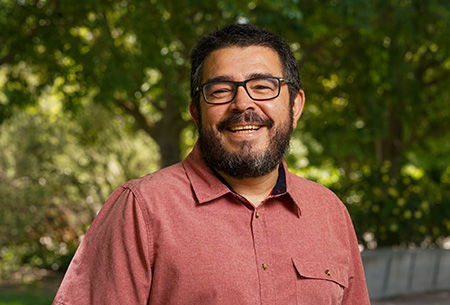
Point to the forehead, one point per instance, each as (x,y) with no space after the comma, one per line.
(240,63)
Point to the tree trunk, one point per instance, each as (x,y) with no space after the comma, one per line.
(390,146)
(167,132)
(168,140)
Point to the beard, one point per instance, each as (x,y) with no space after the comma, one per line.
(246,162)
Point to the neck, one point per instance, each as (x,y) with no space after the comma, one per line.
(255,190)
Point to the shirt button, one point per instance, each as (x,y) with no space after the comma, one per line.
(264,266)
(328,272)
(256,214)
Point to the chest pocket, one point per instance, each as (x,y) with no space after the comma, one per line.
(320,282)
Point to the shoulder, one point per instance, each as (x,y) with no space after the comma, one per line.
(165,189)
(313,195)
(163,179)
(308,188)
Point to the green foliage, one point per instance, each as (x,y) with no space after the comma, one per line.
(91,93)
(56,171)
(411,209)
(375,74)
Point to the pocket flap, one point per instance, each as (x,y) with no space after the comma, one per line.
(322,270)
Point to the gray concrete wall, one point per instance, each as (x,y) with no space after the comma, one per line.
(392,273)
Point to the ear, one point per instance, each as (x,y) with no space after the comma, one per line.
(194,113)
(297,107)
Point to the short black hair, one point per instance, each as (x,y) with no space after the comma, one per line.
(243,35)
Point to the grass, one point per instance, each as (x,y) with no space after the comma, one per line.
(25,298)
(40,291)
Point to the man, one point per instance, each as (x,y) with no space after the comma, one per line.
(230,224)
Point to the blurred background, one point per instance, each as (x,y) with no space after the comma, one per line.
(95,93)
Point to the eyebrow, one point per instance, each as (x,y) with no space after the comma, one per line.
(221,78)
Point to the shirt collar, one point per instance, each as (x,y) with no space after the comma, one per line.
(204,182)
(207,186)
(278,190)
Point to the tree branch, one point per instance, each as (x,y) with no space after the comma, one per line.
(432,132)
(152,102)
(139,117)
(442,77)
(6,59)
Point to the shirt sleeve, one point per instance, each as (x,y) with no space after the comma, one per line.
(356,293)
(112,264)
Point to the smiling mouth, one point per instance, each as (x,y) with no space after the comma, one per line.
(244,129)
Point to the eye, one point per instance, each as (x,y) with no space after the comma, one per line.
(262,84)
(219,89)
(261,87)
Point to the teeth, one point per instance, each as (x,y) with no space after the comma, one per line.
(245,129)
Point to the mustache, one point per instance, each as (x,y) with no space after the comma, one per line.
(249,117)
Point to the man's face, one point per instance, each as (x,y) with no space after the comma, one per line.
(246,138)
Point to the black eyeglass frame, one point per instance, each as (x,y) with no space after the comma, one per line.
(243,84)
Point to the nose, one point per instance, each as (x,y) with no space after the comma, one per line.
(242,101)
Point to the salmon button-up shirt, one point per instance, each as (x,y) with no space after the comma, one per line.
(182,236)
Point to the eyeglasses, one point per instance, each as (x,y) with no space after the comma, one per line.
(258,89)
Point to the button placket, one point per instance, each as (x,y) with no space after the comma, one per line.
(262,254)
